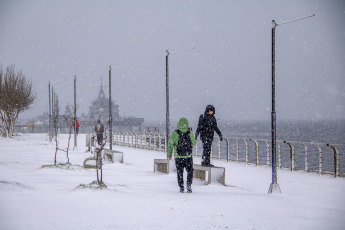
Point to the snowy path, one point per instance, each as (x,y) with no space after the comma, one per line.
(136,198)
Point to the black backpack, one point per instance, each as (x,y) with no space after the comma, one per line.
(184,146)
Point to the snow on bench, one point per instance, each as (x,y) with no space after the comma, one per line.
(209,174)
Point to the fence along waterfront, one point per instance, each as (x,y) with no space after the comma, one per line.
(293,155)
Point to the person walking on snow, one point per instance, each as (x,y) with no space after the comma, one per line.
(99,129)
(206,127)
(181,141)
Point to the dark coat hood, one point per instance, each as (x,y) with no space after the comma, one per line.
(210,107)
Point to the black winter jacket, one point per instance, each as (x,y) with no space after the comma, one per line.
(207,125)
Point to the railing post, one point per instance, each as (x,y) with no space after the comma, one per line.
(141,140)
(136,140)
(150,141)
(320,159)
(256,150)
(132,139)
(306,157)
(245,141)
(268,152)
(219,149)
(336,160)
(237,149)
(227,150)
(128,143)
(292,155)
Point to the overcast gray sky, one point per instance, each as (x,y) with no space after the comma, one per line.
(230,68)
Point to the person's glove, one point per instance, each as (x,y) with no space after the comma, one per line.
(221,138)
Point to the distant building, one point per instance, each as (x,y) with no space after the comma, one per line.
(99,108)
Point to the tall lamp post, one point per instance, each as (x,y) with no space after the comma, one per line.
(274,187)
(75,111)
(167,118)
(50,116)
(110,108)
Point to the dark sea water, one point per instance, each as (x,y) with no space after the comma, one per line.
(304,131)
(326,131)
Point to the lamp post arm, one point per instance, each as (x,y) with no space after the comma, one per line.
(293,20)
(177,51)
(119,66)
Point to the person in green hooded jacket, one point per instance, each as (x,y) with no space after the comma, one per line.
(181,142)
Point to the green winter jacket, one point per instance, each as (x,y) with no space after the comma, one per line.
(182,125)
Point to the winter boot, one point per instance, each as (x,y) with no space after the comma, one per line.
(189,188)
(181,189)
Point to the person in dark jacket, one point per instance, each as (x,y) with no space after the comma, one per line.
(181,142)
(99,129)
(206,127)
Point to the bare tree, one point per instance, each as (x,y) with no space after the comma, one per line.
(16,96)
(69,120)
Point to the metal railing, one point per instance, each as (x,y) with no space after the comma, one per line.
(293,155)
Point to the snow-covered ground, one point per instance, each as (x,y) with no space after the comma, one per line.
(32,197)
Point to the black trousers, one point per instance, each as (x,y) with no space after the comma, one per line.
(99,138)
(206,154)
(182,163)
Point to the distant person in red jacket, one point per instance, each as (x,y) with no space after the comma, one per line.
(78,125)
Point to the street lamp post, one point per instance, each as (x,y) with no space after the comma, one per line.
(274,187)
(167,118)
(110,108)
(75,111)
(50,116)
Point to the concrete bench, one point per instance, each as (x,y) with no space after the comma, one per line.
(209,174)
(164,165)
(90,163)
(113,156)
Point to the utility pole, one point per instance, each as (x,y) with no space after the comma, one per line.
(110,108)
(50,116)
(274,187)
(110,114)
(53,113)
(167,118)
(75,111)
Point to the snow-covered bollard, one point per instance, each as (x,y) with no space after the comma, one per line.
(209,174)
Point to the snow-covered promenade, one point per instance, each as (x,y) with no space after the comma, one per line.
(137,198)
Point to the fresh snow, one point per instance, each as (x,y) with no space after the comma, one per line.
(137,198)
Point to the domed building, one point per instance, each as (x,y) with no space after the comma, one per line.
(99,108)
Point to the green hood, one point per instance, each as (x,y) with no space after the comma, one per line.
(182,125)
